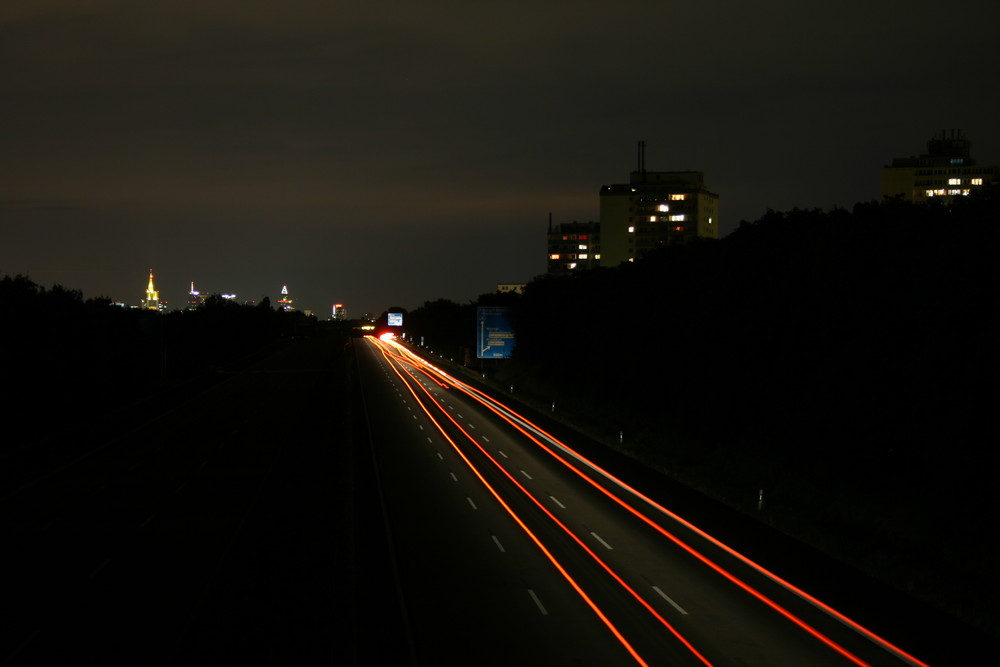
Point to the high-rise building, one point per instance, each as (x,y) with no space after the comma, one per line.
(152,300)
(574,246)
(946,170)
(285,302)
(195,298)
(653,209)
(339,312)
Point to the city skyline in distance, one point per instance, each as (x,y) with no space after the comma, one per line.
(248,147)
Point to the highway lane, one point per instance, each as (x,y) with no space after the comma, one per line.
(660,583)
(469,578)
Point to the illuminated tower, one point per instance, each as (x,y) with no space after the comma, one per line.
(285,302)
(195,298)
(152,300)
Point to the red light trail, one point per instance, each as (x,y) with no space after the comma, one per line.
(529,429)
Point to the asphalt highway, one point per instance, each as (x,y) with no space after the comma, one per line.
(339,502)
(511,548)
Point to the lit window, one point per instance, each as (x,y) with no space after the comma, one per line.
(966,192)
(939,192)
(677,218)
(582,246)
(631,230)
(709,221)
(582,255)
(663,208)
(678,197)
(929,193)
(652,218)
(554,256)
(977,181)
(954,192)
(954,181)
(582,237)
(597,256)
(571,265)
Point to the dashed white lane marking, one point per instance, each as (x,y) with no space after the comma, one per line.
(438,453)
(472,426)
(485,439)
(453,476)
(667,598)
(471,503)
(538,602)
(459,416)
(30,638)
(556,501)
(499,546)
(146,521)
(526,474)
(421,426)
(598,538)
(502,454)
(429,440)
(97,571)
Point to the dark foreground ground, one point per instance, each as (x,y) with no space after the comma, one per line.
(237,521)
(225,521)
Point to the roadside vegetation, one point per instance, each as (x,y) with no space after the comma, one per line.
(841,361)
(67,359)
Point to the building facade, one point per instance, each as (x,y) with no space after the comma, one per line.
(653,209)
(573,246)
(946,170)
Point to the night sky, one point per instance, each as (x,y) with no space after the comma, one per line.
(388,153)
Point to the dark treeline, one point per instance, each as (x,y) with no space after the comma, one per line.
(854,331)
(66,358)
(856,339)
(842,360)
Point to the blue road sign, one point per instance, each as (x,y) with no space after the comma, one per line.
(494,333)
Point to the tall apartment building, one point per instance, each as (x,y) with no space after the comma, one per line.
(574,246)
(946,170)
(654,208)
